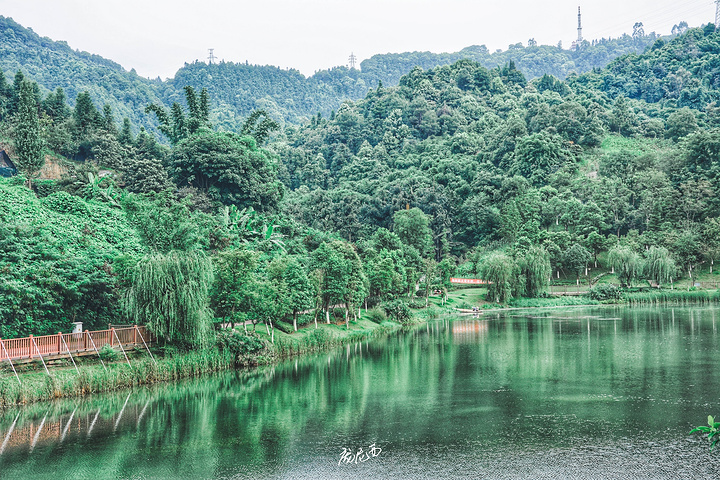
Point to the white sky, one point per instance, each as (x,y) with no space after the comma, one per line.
(156,37)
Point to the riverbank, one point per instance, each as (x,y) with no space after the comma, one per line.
(169,365)
(475,297)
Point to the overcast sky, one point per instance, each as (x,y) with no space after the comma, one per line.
(156,37)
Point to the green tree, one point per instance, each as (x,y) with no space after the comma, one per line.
(289,271)
(497,270)
(412,227)
(176,125)
(626,262)
(536,270)
(234,285)
(28,144)
(229,168)
(576,259)
(170,294)
(659,266)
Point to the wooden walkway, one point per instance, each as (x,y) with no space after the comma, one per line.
(65,345)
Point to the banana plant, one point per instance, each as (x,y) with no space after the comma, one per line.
(712,430)
(249,227)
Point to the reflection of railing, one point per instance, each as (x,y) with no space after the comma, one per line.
(64,344)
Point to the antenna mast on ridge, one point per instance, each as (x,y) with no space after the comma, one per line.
(717,14)
(211,56)
(353,58)
(579,40)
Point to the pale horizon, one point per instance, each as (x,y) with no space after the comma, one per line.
(157,38)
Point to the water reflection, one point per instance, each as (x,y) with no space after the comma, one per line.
(503,396)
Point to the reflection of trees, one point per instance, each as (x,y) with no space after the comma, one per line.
(576,374)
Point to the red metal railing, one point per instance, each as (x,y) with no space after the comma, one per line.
(53,345)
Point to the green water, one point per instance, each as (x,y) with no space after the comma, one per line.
(573,393)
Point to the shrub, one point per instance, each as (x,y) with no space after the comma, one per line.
(376,315)
(605,291)
(305,319)
(238,344)
(398,311)
(63,202)
(108,354)
(284,327)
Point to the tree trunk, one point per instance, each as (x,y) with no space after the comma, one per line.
(347,322)
(272,335)
(295,320)
(267,328)
(327,315)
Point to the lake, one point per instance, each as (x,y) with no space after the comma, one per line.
(555,393)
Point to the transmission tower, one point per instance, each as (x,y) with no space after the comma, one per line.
(211,56)
(353,58)
(579,39)
(717,14)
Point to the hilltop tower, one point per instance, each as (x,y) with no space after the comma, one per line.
(211,55)
(579,39)
(353,59)
(717,14)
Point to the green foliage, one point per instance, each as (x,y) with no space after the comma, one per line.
(536,270)
(164,223)
(28,144)
(659,266)
(398,311)
(627,264)
(712,429)
(576,259)
(108,354)
(170,294)
(412,228)
(57,268)
(498,269)
(606,292)
(239,345)
(376,315)
(232,295)
(229,168)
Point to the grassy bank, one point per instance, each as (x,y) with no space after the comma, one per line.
(66,382)
(678,297)
(469,297)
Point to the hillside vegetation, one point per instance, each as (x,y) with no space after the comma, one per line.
(237,89)
(457,170)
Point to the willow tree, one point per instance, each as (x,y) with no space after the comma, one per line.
(536,271)
(170,294)
(497,270)
(659,265)
(627,264)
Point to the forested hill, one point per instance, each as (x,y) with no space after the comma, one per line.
(533,61)
(237,89)
(498,162)
(55,64)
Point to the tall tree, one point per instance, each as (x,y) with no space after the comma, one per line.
(412,227)
(626,262)
(170,294)
(535,268)
(497,270)
(28,144)
(229,168)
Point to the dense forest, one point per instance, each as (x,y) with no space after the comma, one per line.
(457,170)
(238,89)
